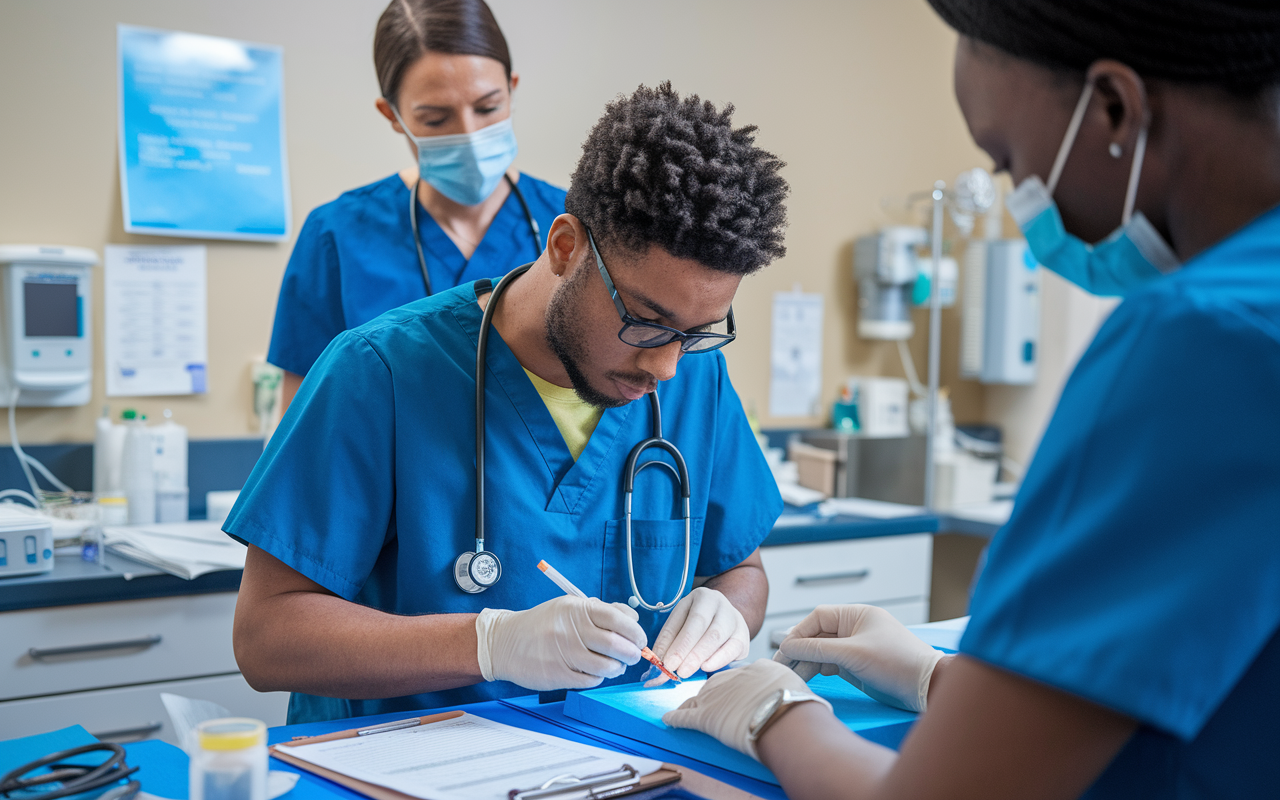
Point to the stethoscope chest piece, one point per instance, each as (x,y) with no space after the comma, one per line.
(475,572)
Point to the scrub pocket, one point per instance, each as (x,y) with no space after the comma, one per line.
(658,548)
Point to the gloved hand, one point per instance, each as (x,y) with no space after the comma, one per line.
(730,699)
(565,643)
(867,647)
(704,631)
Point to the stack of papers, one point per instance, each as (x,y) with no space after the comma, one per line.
(861,507)
(185,549)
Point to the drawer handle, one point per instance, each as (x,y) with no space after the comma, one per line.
(140,732)
(834,577)
(39,653)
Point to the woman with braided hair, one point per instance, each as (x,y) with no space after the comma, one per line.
(1123,640)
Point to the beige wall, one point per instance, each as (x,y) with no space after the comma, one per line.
(854,95)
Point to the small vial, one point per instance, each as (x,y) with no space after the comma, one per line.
(229,760)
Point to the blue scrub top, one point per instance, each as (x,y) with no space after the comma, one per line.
(355,259)
(1141,567)
(367,486)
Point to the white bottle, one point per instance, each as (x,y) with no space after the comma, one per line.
(108,453)
(228,760)
(171,470)
(139,469)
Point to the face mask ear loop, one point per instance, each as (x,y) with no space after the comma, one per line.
(1067,141)
(1135,172)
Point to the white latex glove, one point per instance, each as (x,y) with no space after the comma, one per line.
(730,699)
(565,643)
(705,632)
(867,647)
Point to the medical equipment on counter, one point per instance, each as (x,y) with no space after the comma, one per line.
(417,239)
(850,465)
(108,456)
(46,338)
(881,404)
(1000,330)
(26,542)
(476,571)
(170,440)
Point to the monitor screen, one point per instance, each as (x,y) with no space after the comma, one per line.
(51,309)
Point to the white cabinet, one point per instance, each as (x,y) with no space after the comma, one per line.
(104,665)
(136,712)
(888,571)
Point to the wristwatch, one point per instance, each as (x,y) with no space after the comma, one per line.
(772,709)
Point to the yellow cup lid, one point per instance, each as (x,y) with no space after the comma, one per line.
(232,733)
(112,500)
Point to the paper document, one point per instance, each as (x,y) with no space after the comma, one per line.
(861,507)
(465,758)
(185,549)
(796,355)
(156,320)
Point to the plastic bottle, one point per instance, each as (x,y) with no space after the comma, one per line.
(171,470)
(108,453)
(139,470)
(229,760)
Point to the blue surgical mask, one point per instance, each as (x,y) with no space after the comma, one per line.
(1132,255)
(465,167)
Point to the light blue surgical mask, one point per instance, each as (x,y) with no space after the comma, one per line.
(465,167)
(1132,255)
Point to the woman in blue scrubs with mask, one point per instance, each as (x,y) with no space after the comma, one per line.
(446,81)
(1125,632)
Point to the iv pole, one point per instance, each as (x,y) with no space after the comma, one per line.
(935,342)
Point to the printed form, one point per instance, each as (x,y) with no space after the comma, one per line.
(466,758)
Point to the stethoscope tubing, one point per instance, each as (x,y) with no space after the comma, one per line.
(632,468)
(417,239)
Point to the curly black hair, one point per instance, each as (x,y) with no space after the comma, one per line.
(661,170)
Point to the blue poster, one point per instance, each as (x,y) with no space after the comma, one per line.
(201,136)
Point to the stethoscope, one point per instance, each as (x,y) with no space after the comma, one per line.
(476,571)
(417,240)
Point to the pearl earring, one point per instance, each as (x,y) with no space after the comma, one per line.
(1115,150)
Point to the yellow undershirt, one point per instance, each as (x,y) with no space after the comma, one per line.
(575,419)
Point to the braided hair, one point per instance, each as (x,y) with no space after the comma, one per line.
(658,169)
(1230,44)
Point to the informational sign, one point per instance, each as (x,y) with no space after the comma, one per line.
(156,320)
(201,136)
(796,356)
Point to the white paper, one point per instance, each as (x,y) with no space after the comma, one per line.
(185,549)
(156,323)
(466,758)
(861,507)
(796,355)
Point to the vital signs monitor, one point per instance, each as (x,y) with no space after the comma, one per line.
(46,335)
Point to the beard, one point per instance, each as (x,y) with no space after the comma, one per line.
(569,343)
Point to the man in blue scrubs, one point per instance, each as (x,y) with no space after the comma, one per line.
(365,496)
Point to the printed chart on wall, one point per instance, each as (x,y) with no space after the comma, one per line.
(795,380)
(155,322)
(201,136)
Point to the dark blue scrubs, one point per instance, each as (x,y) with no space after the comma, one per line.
(1141,567)
(355,259)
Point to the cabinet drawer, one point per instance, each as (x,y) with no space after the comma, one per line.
(884,569)
(97,645)
(911,612)
(136,712)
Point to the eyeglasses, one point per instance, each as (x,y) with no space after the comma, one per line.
(639,333)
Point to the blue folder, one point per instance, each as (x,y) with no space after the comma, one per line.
(636,713)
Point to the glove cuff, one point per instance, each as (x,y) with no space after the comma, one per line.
(926,677)
(486,624)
